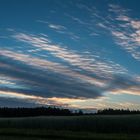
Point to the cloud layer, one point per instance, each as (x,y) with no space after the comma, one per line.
(72,61)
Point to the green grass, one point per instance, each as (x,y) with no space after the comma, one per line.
(126,127)
(97,124)
(61,135)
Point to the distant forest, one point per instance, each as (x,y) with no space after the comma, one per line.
(117,111)
(54,111)
(38,111)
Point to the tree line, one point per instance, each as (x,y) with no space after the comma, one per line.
(37,111)
(111,111)
(55,111)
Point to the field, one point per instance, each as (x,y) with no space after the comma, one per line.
(125,127)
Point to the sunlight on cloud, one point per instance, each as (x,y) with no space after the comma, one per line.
(48,65)
(31,98)
(57,27)
(65,102)
(127,35)
(90,64)
(130,90)
(77,58)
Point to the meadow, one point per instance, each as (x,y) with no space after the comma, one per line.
(96,127)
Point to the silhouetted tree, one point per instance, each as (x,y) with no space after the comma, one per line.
(117,111)
(38,111)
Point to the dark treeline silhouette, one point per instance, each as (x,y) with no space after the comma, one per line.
(117,112)
(38,111)
(55,111)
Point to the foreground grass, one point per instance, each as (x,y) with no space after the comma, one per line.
(126,127)
(29,134)
(96,124)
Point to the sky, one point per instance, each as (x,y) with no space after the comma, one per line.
(81,54)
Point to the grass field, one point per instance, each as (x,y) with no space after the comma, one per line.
(126,127)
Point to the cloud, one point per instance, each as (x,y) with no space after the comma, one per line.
(40,71)
(123,18)
(81,61)
(32,99)
(61,29)
(45,65)
(126,32)
(40,79)
(124,85)
(14,102)
(57,27)
(124,29)
(46,79)
(78,78)
(117,9)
